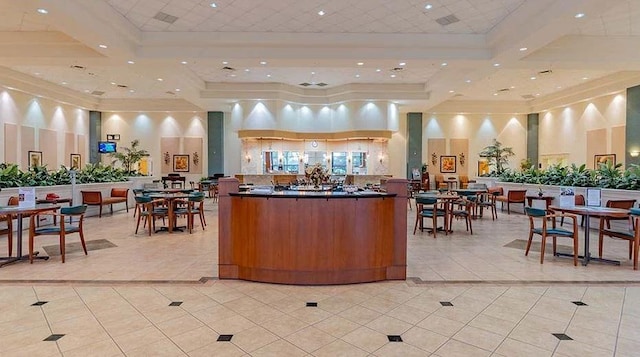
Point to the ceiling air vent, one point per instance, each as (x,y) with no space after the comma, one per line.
(397,69)
(122,86)
(528,96)
(227,68)
(305,84)
(447,20)
(97,92)
(321,84)
(170,92)
(545,72)
(161,16)
(75,66)
(503,90)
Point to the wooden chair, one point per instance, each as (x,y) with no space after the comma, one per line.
(61,230)
(513,196)
(464,181)
(487,200)
(149,211)
(194,207)
(94,198)
(542,228)
(579,202)
(427,207)
(463,209)
(631,234)
(8,231)
(439,182)
(624,204)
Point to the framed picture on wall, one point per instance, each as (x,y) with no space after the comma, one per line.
(75,163)
(448,164)
(181,163)
(483,167)
(35,158)
(603,159)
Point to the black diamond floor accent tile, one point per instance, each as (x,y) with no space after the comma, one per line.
(312,304)
(579,303)
(445,303)
(394,338)
(176,303)
(562,337)
(39,303)
(225,338)
(54,337)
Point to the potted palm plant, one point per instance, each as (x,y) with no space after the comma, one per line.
(129,157)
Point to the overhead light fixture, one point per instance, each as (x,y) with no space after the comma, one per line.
(579,15)
(357,76)
(378,70)
(113,83)
(160,79)
(131,91)
(393,76)
(522,49)
(403,63)
(247,70)
(177,89)
(585,78)
(213,5)
(533,78)
(184,62)
(468,81)
(263,63)
(428,6)
(496,64)
(634,153)
(360,63)
(43,11)
(102,46)
(321,12)
(130,62)
(64,82)
(268,75)
(452,91)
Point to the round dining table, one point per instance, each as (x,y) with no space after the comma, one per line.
(587,212)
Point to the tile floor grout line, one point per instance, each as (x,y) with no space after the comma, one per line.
(44,314)
(98,320)
(624,301)
(575,310)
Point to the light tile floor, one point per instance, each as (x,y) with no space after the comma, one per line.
(116,301)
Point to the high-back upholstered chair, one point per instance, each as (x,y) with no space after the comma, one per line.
(61,230)
(512,196)
(631,234)
(544,225)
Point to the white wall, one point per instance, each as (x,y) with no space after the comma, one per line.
(149,127)
(24,109)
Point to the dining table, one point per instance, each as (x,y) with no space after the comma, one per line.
(170,199)
(19,212)
(447,199)
(587,212)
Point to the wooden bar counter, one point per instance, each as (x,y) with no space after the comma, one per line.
(312,237)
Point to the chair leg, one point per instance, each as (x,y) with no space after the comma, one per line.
(630,249)
(84,246)
(138,223)
(526,252)
(508,207)
(544,243)
(636,250)
(202,220)
(100,213)
(554,245)
(600,244)
(62,243)
(30,247)
(10,236)
(470,226)
(575,251)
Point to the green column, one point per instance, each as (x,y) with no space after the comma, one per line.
(95,133)
(414,142)
(633,126)
(215,139)
(533,120)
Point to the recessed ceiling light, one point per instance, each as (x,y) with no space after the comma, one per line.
(263,62)
(559,87)
(452,91)
(537,94)
(213,5)
(360,63)
(130,62)
(393,76)
(533,78)
(313,72)
(402,63)
(378,70)
(184,62)
(585,78)
(113,83)
(131,90)
(522,49)
(357,76)
(496,64)
(444,64)
(247,70)
(321,12)
(225,62)
(102,46)
(37,73)
(86,91)
(268,75)
(177,89)
(64,82)
(43,11)
(160,79)
(513,87)
(579,15)
(428,6)
(233,75)
(468,81)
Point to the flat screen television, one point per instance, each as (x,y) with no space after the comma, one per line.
(106,147)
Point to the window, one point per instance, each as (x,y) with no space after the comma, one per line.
(359,163)
(339,163)
(291,161)
(270,161)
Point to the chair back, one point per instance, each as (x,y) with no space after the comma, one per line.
(535,212)
(74,210)
(91,197)
(517,195)
(625,204)
(579,200)
(498,191)
(426,200)
(13,201)
(143,199)
(119,192)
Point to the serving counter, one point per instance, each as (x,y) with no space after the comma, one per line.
(312,237)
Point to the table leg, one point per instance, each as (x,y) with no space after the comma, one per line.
(586,257)
(19,255)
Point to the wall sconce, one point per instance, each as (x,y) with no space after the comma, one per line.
(196,158)
(167,158)
(247,157)
(462,158)
(634,153)
(434,158)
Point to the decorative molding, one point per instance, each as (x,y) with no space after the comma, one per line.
(281,134)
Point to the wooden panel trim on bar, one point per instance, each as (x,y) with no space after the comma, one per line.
(312,240)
